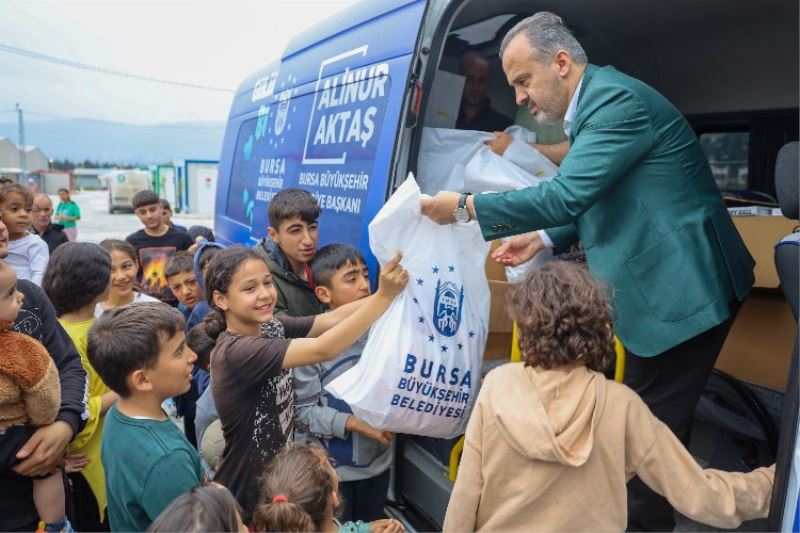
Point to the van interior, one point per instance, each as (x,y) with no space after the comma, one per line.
(731,67)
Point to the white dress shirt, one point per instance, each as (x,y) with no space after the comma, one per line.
(569,118)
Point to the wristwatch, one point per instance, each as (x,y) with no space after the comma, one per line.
(460,213)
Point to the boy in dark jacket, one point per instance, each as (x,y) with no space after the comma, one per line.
(292,243)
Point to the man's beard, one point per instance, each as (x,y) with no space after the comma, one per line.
(554,107)
(547,118)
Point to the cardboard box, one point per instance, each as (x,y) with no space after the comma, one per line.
(750,210)
(759,346)
(494,270)
(498,343)
(498,346)
(760,235)
(499,319)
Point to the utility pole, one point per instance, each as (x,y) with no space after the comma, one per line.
(23,155)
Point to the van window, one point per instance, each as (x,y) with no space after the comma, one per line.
(727,154)
(241,197)
(482,32)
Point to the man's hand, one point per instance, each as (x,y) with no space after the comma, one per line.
(518,249)
(500,143)
(357,425)
(44,451)
(440,208)
(75,462)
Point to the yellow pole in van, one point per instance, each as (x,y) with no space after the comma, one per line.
(619,371)
(516,355)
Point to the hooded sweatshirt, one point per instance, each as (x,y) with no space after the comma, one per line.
(321,419)
(202,308)
(552,450)
(296,296)
(186,403)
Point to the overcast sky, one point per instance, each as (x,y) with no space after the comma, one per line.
(202,42)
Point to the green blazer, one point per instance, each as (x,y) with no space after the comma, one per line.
(636,189)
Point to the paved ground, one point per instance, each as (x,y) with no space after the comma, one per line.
(97,224)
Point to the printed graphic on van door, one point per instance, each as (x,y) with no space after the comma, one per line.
(342,137)
(345,108)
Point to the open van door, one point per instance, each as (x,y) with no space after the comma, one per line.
(324,118)
(784,512)
(723,85)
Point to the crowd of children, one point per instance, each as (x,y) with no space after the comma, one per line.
(244,343)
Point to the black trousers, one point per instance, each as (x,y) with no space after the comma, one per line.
(671,384)
(82,506)
(364,499)
(189,429)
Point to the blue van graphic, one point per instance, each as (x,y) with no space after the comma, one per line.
(325,119)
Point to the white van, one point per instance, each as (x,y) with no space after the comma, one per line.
(123,184)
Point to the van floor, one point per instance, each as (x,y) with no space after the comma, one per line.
(683,523)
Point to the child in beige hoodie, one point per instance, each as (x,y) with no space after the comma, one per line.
(551,443)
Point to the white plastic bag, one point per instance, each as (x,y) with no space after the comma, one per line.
(520,166)
(447,155)
(443,155)
(521,153)
(488,172)
(420,369)
(459,160)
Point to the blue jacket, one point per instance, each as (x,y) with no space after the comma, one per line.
(321,418)
(202,308)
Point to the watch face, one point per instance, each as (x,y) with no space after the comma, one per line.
(461,214)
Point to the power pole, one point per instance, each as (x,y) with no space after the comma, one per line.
(23,155)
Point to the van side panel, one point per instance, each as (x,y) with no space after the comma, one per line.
(324,119)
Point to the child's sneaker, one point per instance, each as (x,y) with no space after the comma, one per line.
(62,526)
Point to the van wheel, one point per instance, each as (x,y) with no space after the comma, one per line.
(111,208)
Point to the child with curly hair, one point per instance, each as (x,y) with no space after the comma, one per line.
(551,443)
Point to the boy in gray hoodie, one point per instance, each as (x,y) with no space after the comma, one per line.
(361,454)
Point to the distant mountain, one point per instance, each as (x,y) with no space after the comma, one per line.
(122,143)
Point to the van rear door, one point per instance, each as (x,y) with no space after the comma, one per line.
(325,118)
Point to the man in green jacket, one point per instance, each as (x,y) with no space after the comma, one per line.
(636,189)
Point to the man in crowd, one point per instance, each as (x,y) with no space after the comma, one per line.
(167,215)
(636,189)
(50,232)
(476,112)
